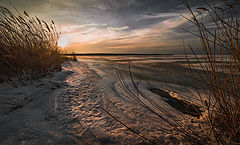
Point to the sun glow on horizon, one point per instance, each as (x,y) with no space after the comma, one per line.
(63,41)
(93,37)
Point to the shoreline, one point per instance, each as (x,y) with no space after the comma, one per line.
(68,109)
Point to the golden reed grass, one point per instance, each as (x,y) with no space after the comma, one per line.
(28,46)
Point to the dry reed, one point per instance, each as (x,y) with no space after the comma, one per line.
(221,101)
(28,47)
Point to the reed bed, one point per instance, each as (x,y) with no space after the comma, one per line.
(28,46)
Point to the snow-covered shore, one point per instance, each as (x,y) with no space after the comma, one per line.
(67,109)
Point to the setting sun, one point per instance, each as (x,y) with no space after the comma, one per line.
(63,41)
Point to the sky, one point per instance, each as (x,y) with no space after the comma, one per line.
(115,26)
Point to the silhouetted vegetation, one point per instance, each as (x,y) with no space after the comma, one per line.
(28,46)
(221,101)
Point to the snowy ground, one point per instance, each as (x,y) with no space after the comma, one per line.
(67,108)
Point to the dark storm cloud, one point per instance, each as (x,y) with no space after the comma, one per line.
(204,18)
(132,13)
(115,13)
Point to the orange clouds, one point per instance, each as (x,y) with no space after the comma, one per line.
(99,38)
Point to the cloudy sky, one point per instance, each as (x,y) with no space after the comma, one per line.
(114,26)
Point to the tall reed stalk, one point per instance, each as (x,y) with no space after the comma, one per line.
(221,53)
(28,46)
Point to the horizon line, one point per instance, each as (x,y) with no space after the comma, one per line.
(114,54)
